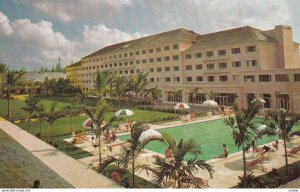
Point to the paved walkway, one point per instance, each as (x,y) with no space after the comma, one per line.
(74,172)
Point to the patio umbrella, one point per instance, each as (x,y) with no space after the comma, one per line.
(89,123)
(149,133)
(210,103)
(124,113)
(181,106)
(258,99)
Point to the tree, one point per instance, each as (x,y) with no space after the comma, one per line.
(177,93)
(179,170)
(244,130)
(131,151)
(156,94)
(282,127)
(51,117)
(120,87)
(103,79)
(3,68)
(99,125)
(32,105)
(138,84)
(212,95)
(12,79)
(194,92)
(72,110)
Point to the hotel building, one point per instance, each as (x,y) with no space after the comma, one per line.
(239,64)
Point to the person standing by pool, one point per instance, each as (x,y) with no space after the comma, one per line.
(225,154)
(168,152)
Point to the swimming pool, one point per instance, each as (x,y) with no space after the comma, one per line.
(210,135)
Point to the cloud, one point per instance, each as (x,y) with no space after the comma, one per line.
(99,36)
(5,27)
(53,9)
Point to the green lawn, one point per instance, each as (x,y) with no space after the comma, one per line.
(19,168)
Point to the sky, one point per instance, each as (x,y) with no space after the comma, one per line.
(35,33)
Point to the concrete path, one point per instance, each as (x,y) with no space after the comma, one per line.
(74,172)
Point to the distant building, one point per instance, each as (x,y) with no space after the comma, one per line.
(239,64)
(30,77)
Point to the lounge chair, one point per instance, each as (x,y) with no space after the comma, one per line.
(200,182)
(257,163)
(293,151)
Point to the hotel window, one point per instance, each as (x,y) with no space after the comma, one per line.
(176,68)
(281,77)
(235,50)
(94,67)
(176,79)
(223,65)
(224,78)
(131,62)
(166,48)
(158,69)
(137,71)
(115,56)
(120,55)
(125,63)
(137,53)
(189,79)
(265,78)
(131,71)
(167,79)
(175,46)
(110,65)
(158,49)
(158,59)
(167,58)
(188,56)
(90,67)
(120,64)
(137,62)
(199,78)
(106,66)
(125,54)
(210,66)
(198,55)
(188,67)
(236,64)
(251,48)
(120,72)
(210,78)
(167,68)
(209,53)
(175,57)
(249,78)
(151,79)
(150,50)
(126,72)
(144,52)
(199,66)
(131,53)
(267,98)
(151,60)
(251,63)
(296,77)
(101,66)
(144,61)
(222,52)
(110,57)
(151,70)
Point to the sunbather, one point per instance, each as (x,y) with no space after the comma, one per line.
(293,151)
(257,163)
(275,145)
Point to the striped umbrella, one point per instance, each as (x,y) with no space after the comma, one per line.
(181,106)
(124,113)
(88,123)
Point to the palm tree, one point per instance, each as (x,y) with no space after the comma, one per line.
(12,79)
(41,116)
(177,93)
(131,152)
(3,68)
(194,92)
(52,116)
(32,103)
(244,130)
(99,125)
(156,94)
(102,80)
(72,110)
(212,95)
(139,83)
(179,170)
(282,127)
(120,87)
